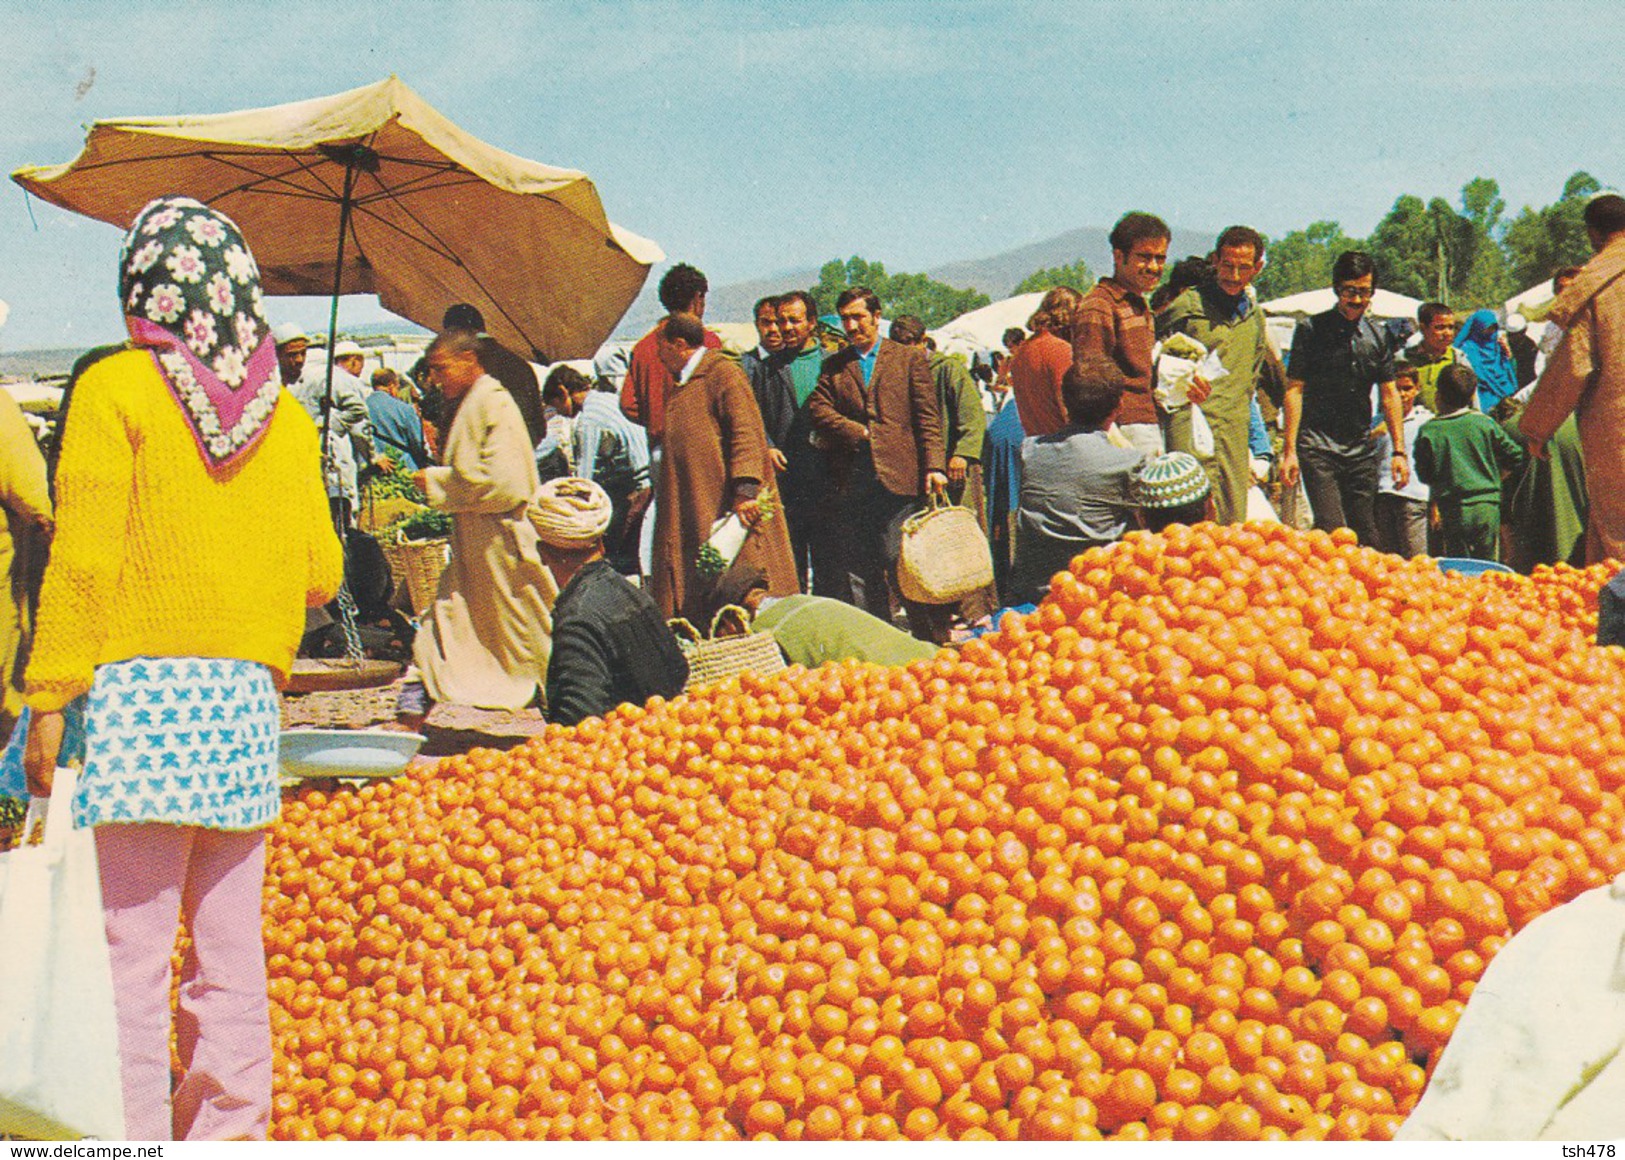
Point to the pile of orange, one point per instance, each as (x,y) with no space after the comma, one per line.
(1212,846)
(1567,593)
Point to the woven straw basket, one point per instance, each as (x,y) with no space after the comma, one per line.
(945,556)
(715,659)
(419,563)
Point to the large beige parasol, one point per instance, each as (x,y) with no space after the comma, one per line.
(374,192)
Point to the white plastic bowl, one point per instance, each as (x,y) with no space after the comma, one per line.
(360,753)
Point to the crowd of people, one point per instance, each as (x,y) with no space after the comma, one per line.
(1439,435)
(821,442)
(191,505)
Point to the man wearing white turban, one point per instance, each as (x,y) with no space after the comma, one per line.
(610,644)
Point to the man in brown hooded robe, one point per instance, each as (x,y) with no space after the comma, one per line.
(1585,376)
(715,461)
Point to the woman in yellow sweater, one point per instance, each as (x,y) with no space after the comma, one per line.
(192,532)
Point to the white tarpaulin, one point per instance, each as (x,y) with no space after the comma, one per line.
(983,328)
(737,337)
(1384,304)
(1533,299)
(1537,1054)
(35,396)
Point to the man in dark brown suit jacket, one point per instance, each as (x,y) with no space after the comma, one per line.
(874,412)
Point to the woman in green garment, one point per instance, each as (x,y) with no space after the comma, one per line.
(812,630)
(1546,514)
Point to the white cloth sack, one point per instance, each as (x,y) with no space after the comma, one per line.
(1201,433)
(1537,1053)
(59,1061)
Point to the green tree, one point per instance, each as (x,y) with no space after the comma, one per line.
(1405,246)
(934,302)
(1490,281)
(1302,260)
(1540,241)
(1487,280)
(1425,251)
(1077,275)
(1483,205)
(1434,251)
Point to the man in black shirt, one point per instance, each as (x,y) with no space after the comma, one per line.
(1336,359)
(610,645)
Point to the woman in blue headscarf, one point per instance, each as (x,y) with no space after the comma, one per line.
(1486,351)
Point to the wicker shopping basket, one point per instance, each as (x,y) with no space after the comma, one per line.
(419,564)
(716,658)
(944,555)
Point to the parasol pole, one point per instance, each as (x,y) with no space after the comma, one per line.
(355,156)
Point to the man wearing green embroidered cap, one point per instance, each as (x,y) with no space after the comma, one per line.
(1171,489)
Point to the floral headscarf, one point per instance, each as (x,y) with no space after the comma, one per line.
(191,293)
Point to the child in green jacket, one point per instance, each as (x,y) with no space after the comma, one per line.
(1462,456)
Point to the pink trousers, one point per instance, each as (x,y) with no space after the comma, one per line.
(153,874)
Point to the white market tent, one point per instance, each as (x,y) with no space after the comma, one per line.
(1384,304)
(35,397)
(983,329)
(1537,296)
(737,337)
(5,311)
(1281,328)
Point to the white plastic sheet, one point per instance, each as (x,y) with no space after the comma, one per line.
(1537,1053)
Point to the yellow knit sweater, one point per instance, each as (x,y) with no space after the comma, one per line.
(156,555)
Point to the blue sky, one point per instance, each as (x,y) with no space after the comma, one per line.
(754,138)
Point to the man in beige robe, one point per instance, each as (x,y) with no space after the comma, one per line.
(715,461)
(485,641)
(1585,376)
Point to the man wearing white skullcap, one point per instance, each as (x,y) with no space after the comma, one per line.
(347,443)
(610,644)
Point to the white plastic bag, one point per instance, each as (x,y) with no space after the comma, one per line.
(728,536)
(59,1061)
(1201,433)
(1259,509)
(1176,359)
(1179,359)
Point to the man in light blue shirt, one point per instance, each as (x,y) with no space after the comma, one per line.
(396,425)
(609,449)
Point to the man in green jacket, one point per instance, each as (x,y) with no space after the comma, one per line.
(1221,315)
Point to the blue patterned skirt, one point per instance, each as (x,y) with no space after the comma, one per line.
(187,740)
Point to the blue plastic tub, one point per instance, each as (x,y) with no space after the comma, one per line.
(353,753)
(1465,567)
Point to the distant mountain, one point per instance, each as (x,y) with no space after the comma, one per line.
(998,275)
(995,276)
(38,364)
(45,364)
